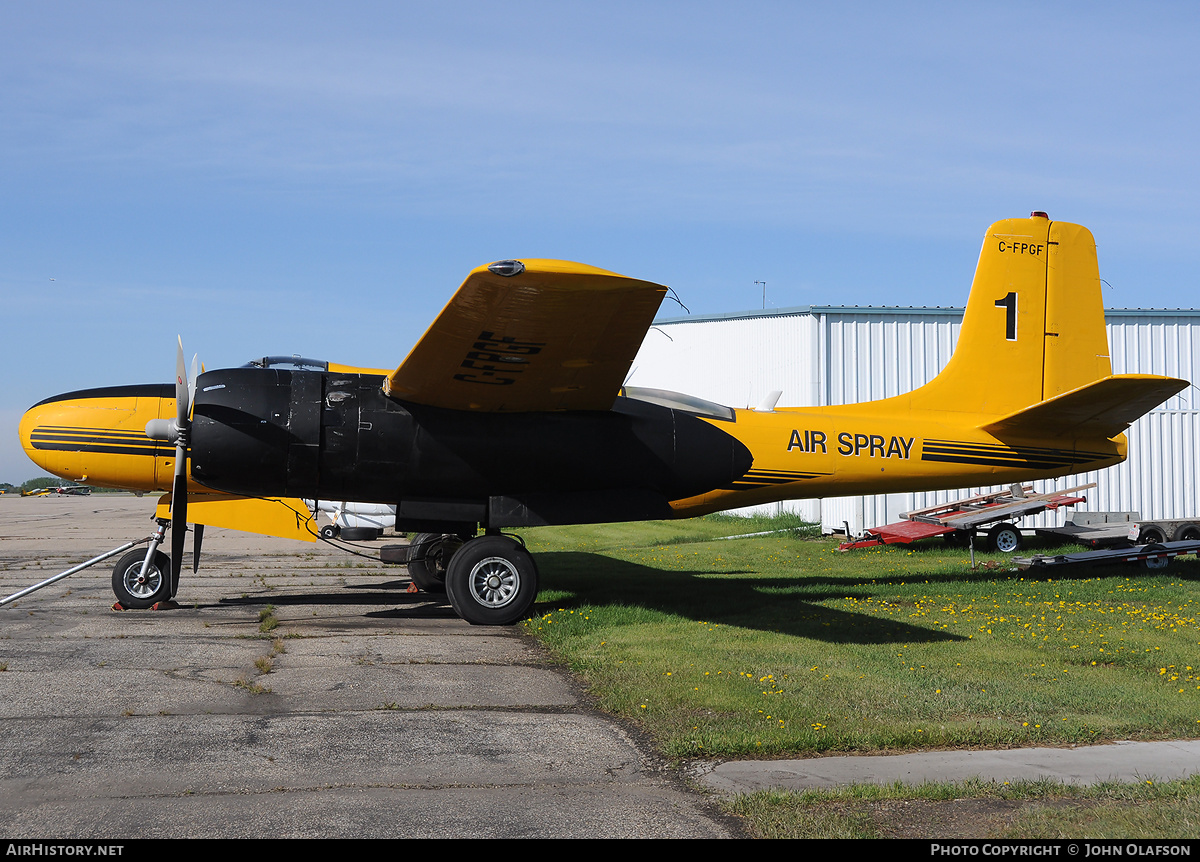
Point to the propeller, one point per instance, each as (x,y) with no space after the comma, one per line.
(178,432)
(184,386)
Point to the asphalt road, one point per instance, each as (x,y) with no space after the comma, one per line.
(368,711)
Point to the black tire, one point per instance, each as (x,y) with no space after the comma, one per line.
(958,539)
(131,591)
(429,558)
(1151,536)
(1004,539)
(329,531)
(492,581)
(1156,563)
(360,534)
(1187,533)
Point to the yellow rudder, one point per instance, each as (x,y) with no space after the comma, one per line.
(1076,341)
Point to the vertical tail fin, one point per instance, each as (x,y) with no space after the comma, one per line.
(1034,324)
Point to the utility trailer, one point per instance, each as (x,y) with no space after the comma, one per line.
(962,520)
(1108,529)
(1155,555)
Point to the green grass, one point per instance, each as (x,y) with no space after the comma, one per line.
(780,645)
(1021,810)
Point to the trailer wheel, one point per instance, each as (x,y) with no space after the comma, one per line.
(1155,563)
(1004,539)
(1151,536)
(958,539)
(1187,533)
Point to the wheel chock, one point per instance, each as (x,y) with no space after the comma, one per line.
(166,605)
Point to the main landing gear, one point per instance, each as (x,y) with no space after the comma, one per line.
(491,580)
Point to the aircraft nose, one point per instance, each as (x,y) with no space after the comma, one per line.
(98,436)
(38,430)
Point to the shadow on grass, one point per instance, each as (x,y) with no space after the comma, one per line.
(765,604)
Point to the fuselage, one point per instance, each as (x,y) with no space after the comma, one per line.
(335,436)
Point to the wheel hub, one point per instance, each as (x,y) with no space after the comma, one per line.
(142,586)
(494,582)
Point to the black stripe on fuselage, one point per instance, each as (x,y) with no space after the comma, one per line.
(986,454)
(767,478)
(139,390)
(105,449)
(106,441)
(114,433)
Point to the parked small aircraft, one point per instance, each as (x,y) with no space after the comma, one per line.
(510,412)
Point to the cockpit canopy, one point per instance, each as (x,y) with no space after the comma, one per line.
(295,362)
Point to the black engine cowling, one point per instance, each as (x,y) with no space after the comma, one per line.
(271,432)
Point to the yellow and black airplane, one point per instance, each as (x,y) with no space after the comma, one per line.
(510,412)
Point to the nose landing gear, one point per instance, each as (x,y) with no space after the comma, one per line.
(142,579)
(137,585)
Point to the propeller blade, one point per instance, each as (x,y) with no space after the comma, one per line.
(178,522)
(179,484)
(182,405)
(198,539)
(192,385)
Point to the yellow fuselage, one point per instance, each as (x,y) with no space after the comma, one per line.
(883,447)
(874,447)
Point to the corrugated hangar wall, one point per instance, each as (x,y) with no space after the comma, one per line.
(824,355)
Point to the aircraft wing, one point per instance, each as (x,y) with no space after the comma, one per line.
(552,335)
(1105,407)
(285,517)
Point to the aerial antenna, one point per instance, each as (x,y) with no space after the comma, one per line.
(671,294)
(764,284)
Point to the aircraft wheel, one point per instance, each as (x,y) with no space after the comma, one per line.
(491,581)
(434,551)
(1004,539)
(329,531)
(360,534)
(131,590)
(1151,536)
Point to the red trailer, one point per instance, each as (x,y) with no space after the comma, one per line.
(964,519)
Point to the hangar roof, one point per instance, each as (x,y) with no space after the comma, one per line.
(937,310)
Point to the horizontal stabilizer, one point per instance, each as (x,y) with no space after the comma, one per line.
(1103,408)
(285,517)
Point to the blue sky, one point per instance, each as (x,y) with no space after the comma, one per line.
(317,178)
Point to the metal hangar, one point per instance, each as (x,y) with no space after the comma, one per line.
(827,355)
